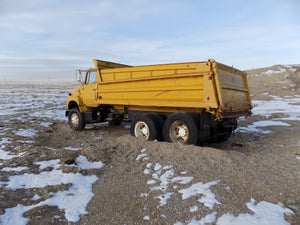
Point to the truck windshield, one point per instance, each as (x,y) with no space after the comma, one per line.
(91,77)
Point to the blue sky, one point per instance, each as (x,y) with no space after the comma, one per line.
(49,39)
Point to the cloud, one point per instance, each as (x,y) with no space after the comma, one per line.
(53,37)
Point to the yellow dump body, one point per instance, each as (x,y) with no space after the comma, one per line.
(187,87)
(192,87)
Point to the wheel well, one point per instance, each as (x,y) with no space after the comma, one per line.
(72,105)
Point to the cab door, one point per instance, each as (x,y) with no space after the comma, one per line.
(88,90)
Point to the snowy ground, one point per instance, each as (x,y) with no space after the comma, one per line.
(162,177)
(42,105)
(27,109)
(287,106)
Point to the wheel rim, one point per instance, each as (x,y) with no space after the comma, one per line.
(141,129)
(74,119)
(179,132)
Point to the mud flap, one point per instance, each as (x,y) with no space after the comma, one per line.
(205,126)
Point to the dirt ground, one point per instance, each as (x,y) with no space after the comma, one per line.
(248,165)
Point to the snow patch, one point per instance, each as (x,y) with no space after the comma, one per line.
(210,218)
(208,197)
(5,155)
(72,149)
(49,163)
(26,132)
(36,197)
(264,123)
(157,166)
(149,182)
(270,72)
(264,213)
(141,156)
(73,201)
(5,141)
(290,107)
(164,198)
(15,169)
(146,171)
(194,208)
(182,180)
(83,163)
(46,124)
(146,218)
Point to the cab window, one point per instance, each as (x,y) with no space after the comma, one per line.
(91,77)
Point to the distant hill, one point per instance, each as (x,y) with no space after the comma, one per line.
(275,80)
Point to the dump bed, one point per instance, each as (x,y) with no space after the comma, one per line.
(232,90)
(192,87)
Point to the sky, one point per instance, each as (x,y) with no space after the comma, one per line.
(50,39)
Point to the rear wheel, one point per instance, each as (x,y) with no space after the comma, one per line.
(147,126)
(159,122)
(76,119)
(182,128)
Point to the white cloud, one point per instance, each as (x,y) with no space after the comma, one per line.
(62,35)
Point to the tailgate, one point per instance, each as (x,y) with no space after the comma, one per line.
(232,90)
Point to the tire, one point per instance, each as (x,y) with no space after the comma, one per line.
(159,122)
(76,119)
(146,126)
(182,128)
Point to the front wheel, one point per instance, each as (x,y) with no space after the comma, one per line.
(76,119)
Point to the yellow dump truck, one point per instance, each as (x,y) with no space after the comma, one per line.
(188,103)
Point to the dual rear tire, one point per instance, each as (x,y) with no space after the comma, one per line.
(147,126)
(182,128)
(178,127)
